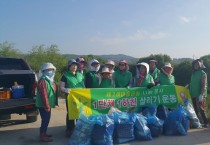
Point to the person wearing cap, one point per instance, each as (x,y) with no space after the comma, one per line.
(106,78)
(123,77)
(92,78)
(143,78)
(111,65)
(71,79)
(166,77)
(153,70)
(82,64)
(46,98)
(198,89)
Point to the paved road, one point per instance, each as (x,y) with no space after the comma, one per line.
(17,132)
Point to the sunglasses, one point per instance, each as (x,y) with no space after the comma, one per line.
(121,64)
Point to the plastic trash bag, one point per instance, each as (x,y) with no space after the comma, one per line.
(162,112)
(83,130)
(177,122)
(194,121)
(141,131)
(149,110)
(103,130)
(155,125)
(124,127)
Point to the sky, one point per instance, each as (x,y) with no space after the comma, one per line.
(138,28)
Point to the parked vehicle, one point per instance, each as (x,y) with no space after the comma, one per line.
(17,88)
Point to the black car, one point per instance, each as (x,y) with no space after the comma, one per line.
(17,88)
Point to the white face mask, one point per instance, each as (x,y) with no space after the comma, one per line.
(49,73)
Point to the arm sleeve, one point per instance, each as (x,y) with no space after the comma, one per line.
(43,93)
(203,84)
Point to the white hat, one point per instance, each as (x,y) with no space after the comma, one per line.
(144,64)
(110,62)
(167,65)
(47,65)
(105,70)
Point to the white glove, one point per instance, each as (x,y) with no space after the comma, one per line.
(200,99)
(67,90)
(187,86)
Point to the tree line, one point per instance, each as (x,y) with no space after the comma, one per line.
(40,54)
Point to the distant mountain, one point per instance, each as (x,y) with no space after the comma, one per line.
(118,57)
(113,57)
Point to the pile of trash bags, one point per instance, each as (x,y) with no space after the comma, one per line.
(118,127)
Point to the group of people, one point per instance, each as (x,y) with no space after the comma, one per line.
(147,75)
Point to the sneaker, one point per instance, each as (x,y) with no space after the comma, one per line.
(68,133)
(205,125)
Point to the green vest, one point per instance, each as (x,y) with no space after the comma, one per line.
(91,80)
(195,84)
(74,81)
(122,78)
(165,80)
(50,92)
(106,83)
(155,74)
(146,81)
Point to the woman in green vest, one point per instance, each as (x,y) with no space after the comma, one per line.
(71,79)
(92,78)
(153,70)
(106,78)
(166,77)
(198,89)
(46,98)
(143,78)
(123,77)
(82,65)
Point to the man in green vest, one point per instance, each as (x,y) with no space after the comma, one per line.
(46,98)
(71,79)
(198,89)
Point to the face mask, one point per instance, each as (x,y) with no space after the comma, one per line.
(49,73)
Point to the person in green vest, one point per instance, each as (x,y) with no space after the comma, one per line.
(71,79)
(92,78)
(123,77)
(111,65)
(106,78)
(82,65)
(198,89)
(153,70)
(46,98)
(143,78)
(166,77)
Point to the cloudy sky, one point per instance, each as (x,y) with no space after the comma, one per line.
(178,28)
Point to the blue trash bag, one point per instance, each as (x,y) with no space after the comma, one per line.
(141,131)
(124,127)
(155,125)
(162,112)
(83,130)
(149,110)
(103,130)
(177,122)
(194,121)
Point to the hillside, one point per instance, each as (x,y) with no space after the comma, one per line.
(118,57)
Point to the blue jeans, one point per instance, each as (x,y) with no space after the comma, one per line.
(45,116)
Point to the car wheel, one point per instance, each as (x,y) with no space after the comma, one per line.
(30,119)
